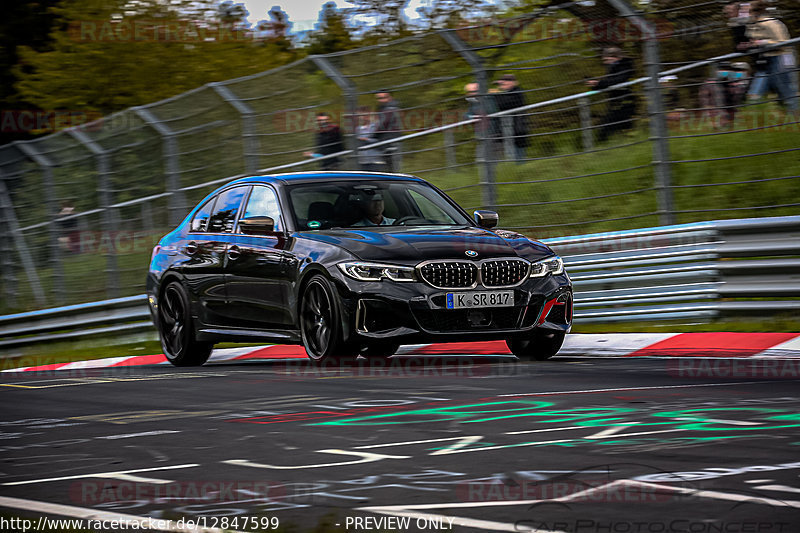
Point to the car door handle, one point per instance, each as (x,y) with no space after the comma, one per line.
(191,248)
(234,252)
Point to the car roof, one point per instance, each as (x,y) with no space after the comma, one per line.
(298,177)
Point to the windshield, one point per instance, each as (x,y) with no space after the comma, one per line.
(356,203)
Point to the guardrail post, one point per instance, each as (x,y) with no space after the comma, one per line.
(177,200)
(350,103)
(110,220)
(484,153)
(250,141)
(585,112)
(52,212)
(655,109)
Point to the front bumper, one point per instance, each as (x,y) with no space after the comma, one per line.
(416,313)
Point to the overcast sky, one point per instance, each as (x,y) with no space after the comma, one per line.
(303,13)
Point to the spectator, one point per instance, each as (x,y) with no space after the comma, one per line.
(369,159)
(737,15)
(480,107)
(388,127)
(779,62)
(724,92)
(621,101)
(329,141)
(511,96)
(68,228)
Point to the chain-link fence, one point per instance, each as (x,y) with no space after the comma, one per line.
(674,138)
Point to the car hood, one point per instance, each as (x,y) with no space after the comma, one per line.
(410,245)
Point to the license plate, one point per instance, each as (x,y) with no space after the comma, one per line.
(474,299)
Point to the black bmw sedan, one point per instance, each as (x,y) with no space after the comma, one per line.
(348,264)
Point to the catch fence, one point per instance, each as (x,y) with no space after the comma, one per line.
(82,208)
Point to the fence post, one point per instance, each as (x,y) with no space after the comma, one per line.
(655,109)
(350,103)
(52,211)
(585,112)
(110,220)
(250,142)
(177,200)
(12,225)
(484,156)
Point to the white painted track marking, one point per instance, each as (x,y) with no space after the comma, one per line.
(102,516)
(143,434)
(101,474)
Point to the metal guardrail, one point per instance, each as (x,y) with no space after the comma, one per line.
(696,271)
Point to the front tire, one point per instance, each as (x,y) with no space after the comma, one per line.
(541,345)
(176,329)
(321,323)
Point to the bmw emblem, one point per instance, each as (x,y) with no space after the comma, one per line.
(471,254)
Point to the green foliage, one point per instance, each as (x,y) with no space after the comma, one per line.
(332,34)
(108,55)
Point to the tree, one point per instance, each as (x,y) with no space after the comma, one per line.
(332,33)
(439,14)
(387,16)
(23,24)
(108,55)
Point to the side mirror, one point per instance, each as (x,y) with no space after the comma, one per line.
(257,225)
(486,219)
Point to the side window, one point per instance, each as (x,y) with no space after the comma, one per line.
(225,210)
(263,202)
(200,220)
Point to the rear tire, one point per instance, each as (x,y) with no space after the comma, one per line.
(321,323)
(541,345)
(176,329)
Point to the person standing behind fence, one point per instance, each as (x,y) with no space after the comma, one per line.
(511,96)
(765,30)
(486,128)
(369,159)
(388,127)
(329,141)
(621,101)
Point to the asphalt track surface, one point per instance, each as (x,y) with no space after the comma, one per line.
(574,444)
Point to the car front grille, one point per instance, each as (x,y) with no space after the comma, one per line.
(450,274)
(503,273)
(463,274)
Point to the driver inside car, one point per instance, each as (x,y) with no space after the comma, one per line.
(373,212)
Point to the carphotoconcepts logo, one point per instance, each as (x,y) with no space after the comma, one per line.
(678,525)
(185,492)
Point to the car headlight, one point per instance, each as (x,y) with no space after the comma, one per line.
(552,265)
(376,271)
